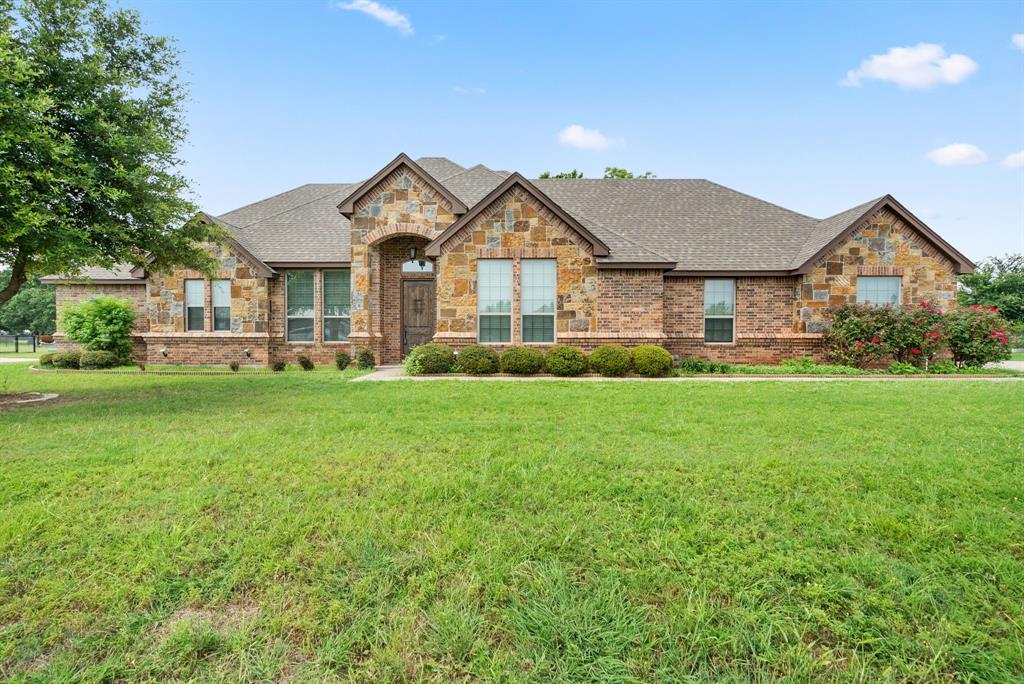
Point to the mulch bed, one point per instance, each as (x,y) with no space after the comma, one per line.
(18,399)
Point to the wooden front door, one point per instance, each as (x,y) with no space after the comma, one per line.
(417,313)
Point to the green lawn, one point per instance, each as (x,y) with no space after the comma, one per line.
(1017,356)
(304,527)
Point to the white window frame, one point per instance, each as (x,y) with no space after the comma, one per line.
(323,297)
(201,307)
(864,280)
(480,314)
(522,300)
(289,318)
(732,316)
(214,306)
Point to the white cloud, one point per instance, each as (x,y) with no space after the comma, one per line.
(440,38)
(469,91)
(381,13)
(957,154)
(923,66)
(1017,41)
(583,138)
(1014,161)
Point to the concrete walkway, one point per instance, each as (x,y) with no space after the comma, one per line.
(1012,365)
(16,359)
(389,373)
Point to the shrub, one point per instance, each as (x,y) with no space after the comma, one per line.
(913,334)
(234,366)
(611,360)
(46,360)
(805,364)
(97,359)
(66,359)
(694,366)
(857,333)
(521,361)
(277,366)
(430,359)
(364,359)
(901,368)
(720,368)
(976,335)
(652,360)
(101,324)
(945,367)
(566,361)
(478,360)
(306,363)
(342,360)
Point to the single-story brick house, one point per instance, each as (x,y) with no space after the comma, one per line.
(429,250)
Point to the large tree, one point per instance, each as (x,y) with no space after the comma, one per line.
(90,125)
(997,282)
(34,308)
(562,175)
(615,172)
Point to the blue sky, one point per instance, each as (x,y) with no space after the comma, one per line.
(756,96)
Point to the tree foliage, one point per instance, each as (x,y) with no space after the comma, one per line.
(34,308)
(997,282)
(562,174)
(100,324)
(90,125)
(615,172)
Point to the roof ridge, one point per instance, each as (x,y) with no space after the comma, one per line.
(293,208)
(472,168)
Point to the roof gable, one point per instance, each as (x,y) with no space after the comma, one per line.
(347,205)
(599,247)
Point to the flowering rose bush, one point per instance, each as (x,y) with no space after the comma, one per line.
(913,334)
(857,334)
(976,335)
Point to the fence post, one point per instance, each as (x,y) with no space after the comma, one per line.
(34,340)
(15,343)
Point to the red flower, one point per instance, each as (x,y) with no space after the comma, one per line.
(924,304)
(975,306)
(875,340)
(993,309)
(915,351)
(858,344)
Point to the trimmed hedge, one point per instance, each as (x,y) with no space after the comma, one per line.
(46,360)
(430,359)
(566,361)
(611,360)
(521,361)
(342,360)
(98,359)
(478,360)
(66,359)
(652,360)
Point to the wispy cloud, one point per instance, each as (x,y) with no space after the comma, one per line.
(469,91)
(957,154)
(583,138)
(925,65)
(1014,161)
(440,38)
(385,15)
(1017,41)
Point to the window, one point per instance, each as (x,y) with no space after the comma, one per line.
(719,310)
(538,300)
(337,305)
(299,295)
(494,299)
(878,290)
(221,304)
(418,266)
(195,296)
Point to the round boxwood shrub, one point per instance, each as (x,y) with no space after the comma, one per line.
(46,360)
(431,359)
(521,361)
(652,360)
(566,361)
(364,359)
(66,359)
(342,360)
(306,363)
(478,360)
(277,366)
(611,360)
(98,359)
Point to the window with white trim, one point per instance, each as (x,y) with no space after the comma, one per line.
(195,305)
(538,300)
(494,299)
(878,290)
(337,305)
(299,305)
(719,310)
(221,295)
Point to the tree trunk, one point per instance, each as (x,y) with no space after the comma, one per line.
(17,280)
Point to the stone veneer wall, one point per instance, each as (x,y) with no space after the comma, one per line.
(250,309)
(516,226)
(401,204)
(886,246)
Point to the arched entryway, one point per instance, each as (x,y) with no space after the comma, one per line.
(407,299)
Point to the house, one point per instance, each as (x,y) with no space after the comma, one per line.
(429,250)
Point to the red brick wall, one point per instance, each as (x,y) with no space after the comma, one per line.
(206,349)
(72,294)
(322,353)
(393,253)
(629,302)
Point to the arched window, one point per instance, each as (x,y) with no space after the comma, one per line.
(418,266)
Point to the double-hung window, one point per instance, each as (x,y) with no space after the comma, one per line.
(494,299)
(337,305)
(221,304)
(538,300)
(719,310)
(195,304)
(878,290)
(299,295)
